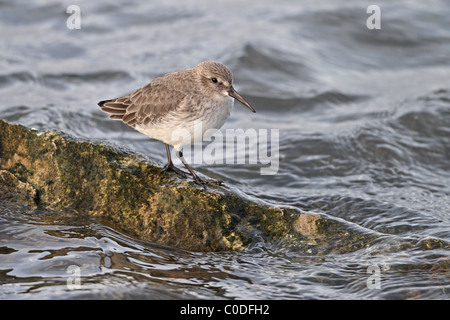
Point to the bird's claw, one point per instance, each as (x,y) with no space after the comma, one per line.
(204,182)
(171,167)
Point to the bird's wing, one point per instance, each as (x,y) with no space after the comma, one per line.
(148,104)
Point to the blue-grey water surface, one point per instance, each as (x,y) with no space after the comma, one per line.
(364,120)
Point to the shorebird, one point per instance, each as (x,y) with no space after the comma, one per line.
(177,101)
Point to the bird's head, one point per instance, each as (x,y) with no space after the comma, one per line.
(217,79)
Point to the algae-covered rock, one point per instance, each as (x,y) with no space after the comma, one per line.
(14,191)
(53,171)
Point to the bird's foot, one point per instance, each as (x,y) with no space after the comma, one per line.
(170,167)
(204,182)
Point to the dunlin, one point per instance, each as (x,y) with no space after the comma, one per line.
(177,101)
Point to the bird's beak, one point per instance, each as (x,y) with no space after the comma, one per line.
(233,93)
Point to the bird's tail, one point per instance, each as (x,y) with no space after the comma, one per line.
(101,103)
(117,108)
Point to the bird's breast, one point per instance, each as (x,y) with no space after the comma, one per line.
(217,112)
(198,122)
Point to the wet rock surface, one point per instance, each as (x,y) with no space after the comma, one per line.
(53,172)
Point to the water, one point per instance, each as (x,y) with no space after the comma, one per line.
(364,118)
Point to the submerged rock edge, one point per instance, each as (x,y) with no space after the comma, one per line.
(52,171)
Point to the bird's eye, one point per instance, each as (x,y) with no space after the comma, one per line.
(214,80)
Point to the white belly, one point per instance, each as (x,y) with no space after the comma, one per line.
(185,127)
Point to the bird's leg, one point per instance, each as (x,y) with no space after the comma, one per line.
(170,166)
(197,179)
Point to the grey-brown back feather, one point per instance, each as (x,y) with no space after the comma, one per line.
(149,104)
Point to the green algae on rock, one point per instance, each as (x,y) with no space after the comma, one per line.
(53,171)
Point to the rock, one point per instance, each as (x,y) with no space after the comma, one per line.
(14,191)
(55,172)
